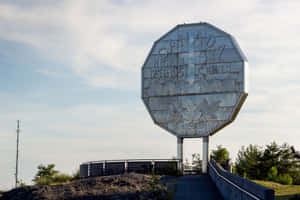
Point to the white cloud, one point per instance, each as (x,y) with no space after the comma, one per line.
(105,43)
(119,34)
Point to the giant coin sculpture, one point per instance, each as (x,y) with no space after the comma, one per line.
(194,80)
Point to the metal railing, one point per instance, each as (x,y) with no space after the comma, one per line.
(114,167)
(129,160)
(247,195)
(233,184)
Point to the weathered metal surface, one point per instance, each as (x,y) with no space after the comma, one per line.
(194,80)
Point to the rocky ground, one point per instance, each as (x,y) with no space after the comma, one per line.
(126,186)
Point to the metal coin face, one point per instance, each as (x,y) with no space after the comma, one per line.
(194,80)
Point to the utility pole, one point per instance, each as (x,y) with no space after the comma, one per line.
(17,156)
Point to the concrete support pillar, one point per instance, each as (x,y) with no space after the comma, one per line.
(180,153)
(205,152)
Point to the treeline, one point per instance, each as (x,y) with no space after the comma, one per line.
(274,162)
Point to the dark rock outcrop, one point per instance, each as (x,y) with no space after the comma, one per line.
(126,186)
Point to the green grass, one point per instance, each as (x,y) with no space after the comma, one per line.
(282,192)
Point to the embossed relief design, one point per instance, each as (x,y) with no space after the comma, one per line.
(193,80)
(198,63)
(192,115)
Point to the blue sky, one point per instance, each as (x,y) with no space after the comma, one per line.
(70,71)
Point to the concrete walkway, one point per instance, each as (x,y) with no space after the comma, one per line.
(196,188)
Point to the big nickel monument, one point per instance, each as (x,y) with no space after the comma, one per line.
(194,82)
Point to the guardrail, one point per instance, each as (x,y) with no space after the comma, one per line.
(144,166)
(233,187)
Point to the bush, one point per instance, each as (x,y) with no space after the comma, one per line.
(61,178)
(272,174)
(43,181)
(47,175)
(285,179)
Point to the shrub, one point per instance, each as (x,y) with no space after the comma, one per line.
(61,178)
(272,174)
(45,174)
(154,182)
(43,181)
(285,179)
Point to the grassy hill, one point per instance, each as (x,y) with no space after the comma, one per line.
(282,192)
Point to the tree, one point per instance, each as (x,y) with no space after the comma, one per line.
(275,162)
(281,157)
(270,159)
(287,160)
(45,174)
(220,155)
(248,162)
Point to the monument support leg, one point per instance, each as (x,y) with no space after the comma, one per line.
(180,153)
(205,154)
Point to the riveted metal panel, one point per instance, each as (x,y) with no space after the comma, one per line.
(194,80)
